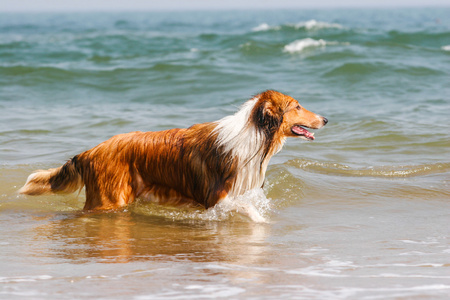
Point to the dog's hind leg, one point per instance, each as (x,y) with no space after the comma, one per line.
(108,192)
(97,200)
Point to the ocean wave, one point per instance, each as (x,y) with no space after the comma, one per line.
(26,278)
(357,69)
(308,25)
(38,71)
(314,25)
(265,27)
(446,48)
(301,45)
(424,38)
(401,171)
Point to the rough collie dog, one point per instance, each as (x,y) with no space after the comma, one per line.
(201,165)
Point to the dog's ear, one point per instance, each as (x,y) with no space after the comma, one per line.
(267,117)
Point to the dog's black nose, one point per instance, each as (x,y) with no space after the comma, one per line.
(325,121)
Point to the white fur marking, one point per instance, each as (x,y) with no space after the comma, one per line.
(240,137)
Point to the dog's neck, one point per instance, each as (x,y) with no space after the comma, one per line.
(243,141)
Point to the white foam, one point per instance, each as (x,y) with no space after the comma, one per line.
(308,25)
(263,27)
(300,45)
(446,48)
(196,291)
(419,242)
(314,25)
(24,278)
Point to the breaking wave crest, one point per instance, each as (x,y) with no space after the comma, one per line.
(308,26)
(301,45)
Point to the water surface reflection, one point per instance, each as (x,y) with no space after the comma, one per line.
(126,236)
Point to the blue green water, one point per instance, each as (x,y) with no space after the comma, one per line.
(360,212)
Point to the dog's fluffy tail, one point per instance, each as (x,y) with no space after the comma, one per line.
(65,179)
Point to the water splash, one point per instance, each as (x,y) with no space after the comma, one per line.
(252,205)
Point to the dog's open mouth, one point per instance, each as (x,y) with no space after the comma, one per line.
(301,131)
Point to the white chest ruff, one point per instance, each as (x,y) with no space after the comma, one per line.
(247,144)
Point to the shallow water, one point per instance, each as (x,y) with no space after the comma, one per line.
(360,213)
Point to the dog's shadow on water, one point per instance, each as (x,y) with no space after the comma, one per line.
(129,235)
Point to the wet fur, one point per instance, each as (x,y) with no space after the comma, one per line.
(200,165)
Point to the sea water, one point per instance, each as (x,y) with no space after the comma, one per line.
(360,213)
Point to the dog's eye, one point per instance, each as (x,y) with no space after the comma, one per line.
(298,107)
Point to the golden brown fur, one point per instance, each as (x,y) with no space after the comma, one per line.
(199,165)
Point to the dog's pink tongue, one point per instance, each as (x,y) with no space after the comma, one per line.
(302,131)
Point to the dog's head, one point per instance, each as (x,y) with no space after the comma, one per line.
(276,113)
